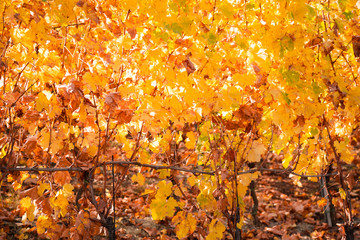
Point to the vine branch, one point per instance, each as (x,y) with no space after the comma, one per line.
(157,167)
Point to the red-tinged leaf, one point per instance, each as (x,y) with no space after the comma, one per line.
(189,66)
(132,32)
(31,192)
(298,207)
(32,115)
(112,101)
(11,97)
(187,43)
(278,230)
(62,178)
(30,145)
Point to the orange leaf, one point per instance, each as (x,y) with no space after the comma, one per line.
(62,177)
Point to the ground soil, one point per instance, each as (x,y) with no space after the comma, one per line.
(287,210)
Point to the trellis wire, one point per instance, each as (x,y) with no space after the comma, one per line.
(159,167)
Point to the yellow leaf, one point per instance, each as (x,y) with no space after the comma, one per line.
(54,107)
(162,207)
(43,222)
(227,9)
(61,203)
(257,149)
(3,151)
(147,191)
(68,189)
(344,149)
(286,161)
(25,203)
(30,213)
(185,226)
(65,12)
(354,96)
(342,193)
(191,221)
(139,178)
(216,230)
(43,101)
(42,188)
(26,206)
(244,79)
(239,225)
(92,150)
(126,42)
(164,189)
(190,140)
(16,186)
(178,192)
(24,176)
(191,180)
(181,229)
(164,173)
(130,4)
(175,105)
(44,139)
(93,81)
(56,144)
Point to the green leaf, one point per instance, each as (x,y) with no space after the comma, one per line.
(176,28)
(227,9)
(339,25)
(241,42)
(185,24)
(286,97)
(342,4)
(311,12)
(286,44)
(250,6)
(161,34)
(212,39)
(317,90)
(314,131)
(348,14)
(291,77)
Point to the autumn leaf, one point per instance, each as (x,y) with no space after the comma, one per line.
(342,193)
(164,189)
(256,151)
(163,205)
(139,178)
(42,188)
(185,224)
(216,230)
(61,178)
(27,209)
(322,202)
(43,223)
(3,151)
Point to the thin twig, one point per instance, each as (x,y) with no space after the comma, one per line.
(214,9)
(347,200)
(19,74)
(113,185)
(70,25)
(14,103)
(121,73)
